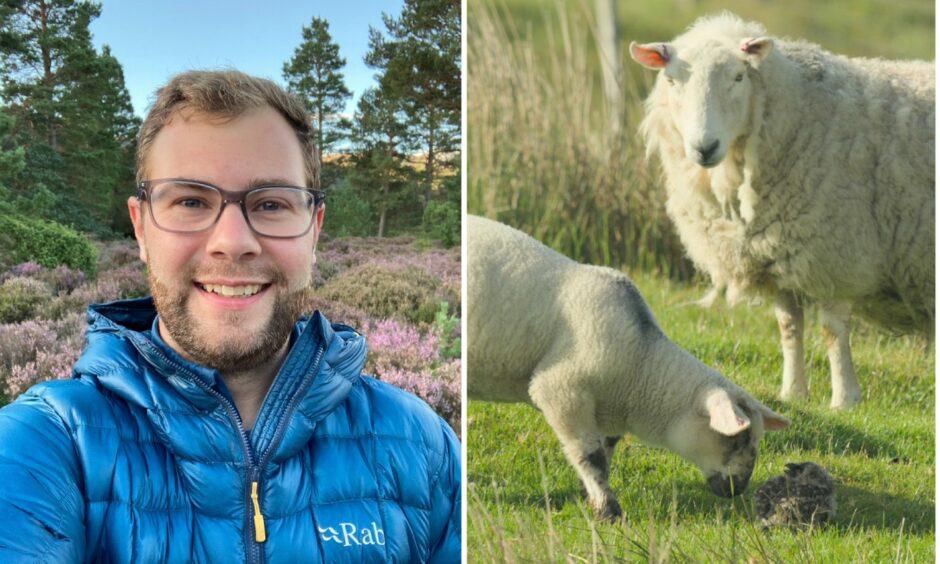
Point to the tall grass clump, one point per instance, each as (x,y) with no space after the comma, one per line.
(551,156)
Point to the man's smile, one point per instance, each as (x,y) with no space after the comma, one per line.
(232,290)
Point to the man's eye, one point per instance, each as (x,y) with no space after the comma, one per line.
(270,206)
(191,203)
(739,78)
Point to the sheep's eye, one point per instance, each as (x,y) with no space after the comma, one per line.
(739,78)
(670,80)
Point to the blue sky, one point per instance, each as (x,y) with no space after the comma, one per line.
(154,39)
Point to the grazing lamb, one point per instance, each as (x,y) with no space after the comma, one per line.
(800,174)
(579,343)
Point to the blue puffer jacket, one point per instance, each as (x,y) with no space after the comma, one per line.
(142,457)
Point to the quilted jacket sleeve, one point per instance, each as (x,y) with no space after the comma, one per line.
(40,499)
(446,497)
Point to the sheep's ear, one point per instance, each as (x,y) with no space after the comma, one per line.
(756,49)
(724,415)
(653,56)
(773,421)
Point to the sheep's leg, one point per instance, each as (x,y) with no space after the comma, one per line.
(836,328)
(584,446)
(790,321)
(610,444)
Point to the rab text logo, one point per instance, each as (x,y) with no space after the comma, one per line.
(348,535)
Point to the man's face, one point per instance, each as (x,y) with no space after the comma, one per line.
(190,273)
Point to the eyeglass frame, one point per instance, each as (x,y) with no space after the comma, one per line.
(229,197)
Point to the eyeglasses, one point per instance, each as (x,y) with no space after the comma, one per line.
(187,206)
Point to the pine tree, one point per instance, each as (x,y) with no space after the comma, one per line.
(381,138)
(313,73)
(72,112)
(420,65)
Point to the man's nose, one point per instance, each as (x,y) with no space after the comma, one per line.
(232,236)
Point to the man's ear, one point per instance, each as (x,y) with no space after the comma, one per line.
(318,224)
(133,207)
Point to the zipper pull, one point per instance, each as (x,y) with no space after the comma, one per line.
(260,535)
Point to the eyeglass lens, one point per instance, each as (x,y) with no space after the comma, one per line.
(274,211)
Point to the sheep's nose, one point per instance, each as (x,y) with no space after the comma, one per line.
(707,152)
(728,486)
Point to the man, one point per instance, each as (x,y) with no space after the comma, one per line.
(207,424)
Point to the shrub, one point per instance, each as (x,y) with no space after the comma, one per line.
(25,269)
(410,358)
(386,292)
(62,279)
(442,222)
(115,254)
(447,329)
(440,389)
(114,284)
(48,244)
(20,298)
(347,214)
(338,312)
(38,350)
(400,346)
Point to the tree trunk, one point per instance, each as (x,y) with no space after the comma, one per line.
(384,209)
(429,168)
(47,77)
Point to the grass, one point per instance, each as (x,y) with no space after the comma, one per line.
(524,499)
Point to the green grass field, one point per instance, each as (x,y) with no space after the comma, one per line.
(524,499)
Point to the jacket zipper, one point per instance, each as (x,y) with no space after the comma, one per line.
(252,550)
(253,505)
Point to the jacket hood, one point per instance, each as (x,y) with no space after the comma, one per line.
(323,364)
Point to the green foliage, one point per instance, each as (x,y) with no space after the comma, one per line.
(12,157)
(47,243)
(442,222)
(524,501)
(313,73)
(447,327)
(419,66)
(380,167)
(20,298)
(72,112)
(347,214)
(386,292)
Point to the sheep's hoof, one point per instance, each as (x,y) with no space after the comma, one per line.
(794,394)
(609,511)
(844,403)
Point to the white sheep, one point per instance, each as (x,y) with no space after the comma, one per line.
(579,343)
(801,174)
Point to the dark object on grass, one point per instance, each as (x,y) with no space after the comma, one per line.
(803,496)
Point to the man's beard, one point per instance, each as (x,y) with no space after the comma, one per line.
(206,349)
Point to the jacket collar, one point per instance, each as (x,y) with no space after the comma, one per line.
(323,364)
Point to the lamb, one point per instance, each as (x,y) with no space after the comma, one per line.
(579,343)
(799,174)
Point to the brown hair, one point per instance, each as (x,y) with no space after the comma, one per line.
(226,94)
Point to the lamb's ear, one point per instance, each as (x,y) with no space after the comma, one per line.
(756,49)
(773,421)
(724,415)
(653,56)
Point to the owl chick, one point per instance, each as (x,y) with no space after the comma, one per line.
(803,496)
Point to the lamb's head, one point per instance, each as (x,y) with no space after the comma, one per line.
(721,437)
(706,80)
